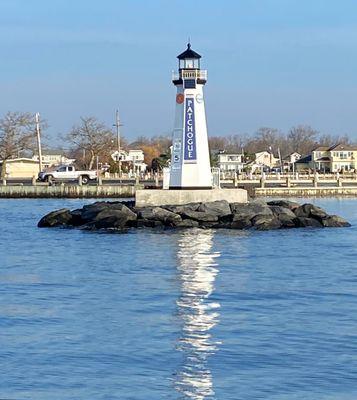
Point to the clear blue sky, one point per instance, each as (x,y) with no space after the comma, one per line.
(270,62)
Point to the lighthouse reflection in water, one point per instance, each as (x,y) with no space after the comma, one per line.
(198,313)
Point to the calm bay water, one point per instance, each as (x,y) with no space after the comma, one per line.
(176,315)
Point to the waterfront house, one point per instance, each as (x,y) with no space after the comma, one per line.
(303,164)
(337,158)
(52,158)
(266,159)
(133,158)
(230,162)
(290,160)
(320,159)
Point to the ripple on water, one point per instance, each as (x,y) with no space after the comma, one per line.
(176,315)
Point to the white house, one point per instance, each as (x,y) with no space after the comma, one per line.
(230,162)
(53,157)
(133,157)
(266,159)
(290,160)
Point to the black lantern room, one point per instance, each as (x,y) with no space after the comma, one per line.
(189,59)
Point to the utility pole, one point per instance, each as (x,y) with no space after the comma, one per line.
(118,125)
(280,160)
(37,119)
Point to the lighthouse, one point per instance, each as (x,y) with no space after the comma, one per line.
(190,178)
(190,161)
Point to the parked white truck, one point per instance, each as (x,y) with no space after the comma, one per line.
(67,173)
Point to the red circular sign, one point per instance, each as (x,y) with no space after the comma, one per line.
(180,98)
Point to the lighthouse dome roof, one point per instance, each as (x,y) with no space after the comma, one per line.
(188,53)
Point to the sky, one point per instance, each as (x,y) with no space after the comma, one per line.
(273,63)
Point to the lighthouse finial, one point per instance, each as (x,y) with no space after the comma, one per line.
(189,43)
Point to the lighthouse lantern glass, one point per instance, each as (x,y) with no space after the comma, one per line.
(189,63)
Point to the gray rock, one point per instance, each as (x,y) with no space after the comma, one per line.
(90,211)
(258,200)
(118,222)
(286,221)
(182,208)
(60,217)
(304,222)
(334,221)
(309,210)
(221,208)
(199,216)
(285,216)
(266,222)
(145,223)
(77,219)
(117,218)
(122,212)
(210,224)
(102,210)
(159,214)
(187,223)
(292,205)
(241,223)
(249,210)
(279,210)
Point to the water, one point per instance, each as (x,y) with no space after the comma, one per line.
(176,315)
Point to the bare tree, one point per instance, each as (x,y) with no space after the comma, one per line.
(93,137)
(302,138)
(328,140)
(17,133)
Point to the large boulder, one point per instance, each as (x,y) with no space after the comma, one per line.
(241,222)
(291,205)
(279,210)
(266,222)
(123,211)
(101,210)
(145,223)
(334,221)
(90,211)
(182,208)
(249,210)
(159,214)
(77,219)
(188,223)
(286,217)
(112,218)
(305,222)
(221,208)
(200,216)
(310,210)
(60,217)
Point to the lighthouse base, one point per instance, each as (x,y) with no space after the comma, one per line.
(156,198)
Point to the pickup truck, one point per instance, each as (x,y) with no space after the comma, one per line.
(66,173)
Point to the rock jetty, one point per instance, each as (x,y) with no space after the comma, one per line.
(258,215)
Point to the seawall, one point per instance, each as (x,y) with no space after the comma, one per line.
(306,192)
(68,191)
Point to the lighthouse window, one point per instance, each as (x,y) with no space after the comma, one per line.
(189,63)
(190,83)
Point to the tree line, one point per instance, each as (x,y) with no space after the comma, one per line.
(301,138)
(91,138)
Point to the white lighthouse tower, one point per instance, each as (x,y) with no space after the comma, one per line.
(190,172)
(190,161)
